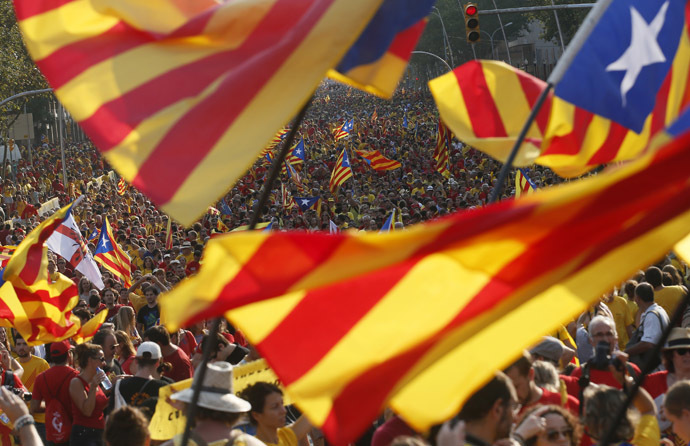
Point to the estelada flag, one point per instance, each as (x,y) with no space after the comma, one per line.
(494,279)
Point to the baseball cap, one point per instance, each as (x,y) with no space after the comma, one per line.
(549,348)
(153,350)
(60,348)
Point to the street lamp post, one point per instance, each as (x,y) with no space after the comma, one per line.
(445,37)
(491,39)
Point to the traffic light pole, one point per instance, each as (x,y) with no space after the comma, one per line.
(561,67)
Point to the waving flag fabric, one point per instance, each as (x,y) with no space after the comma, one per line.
(344,130)
(121,187)
(142,77)
(67,242)
(442,150)
(612,101)
(5,254)
(296,155)
(376,160)
(112,257)
(378,59)
(341,172)
(46,303)
(389,224)
(307,203)
(293,175)
(168,235)
(494,279)
(523,183)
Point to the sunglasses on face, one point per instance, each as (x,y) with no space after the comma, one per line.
(682,351)
(99,358)
(553,435)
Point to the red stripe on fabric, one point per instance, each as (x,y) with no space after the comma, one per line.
(257,281)
(29,8)
(318,334)
(532,87)
(112,122)
(64,64)
(32,267)
(485,119)
(162,178)
(659,112)
(609,149)
(405,41)
(61,301)
(571,144)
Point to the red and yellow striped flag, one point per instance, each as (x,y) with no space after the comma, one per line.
(141,77)
(493,279)
(486,103)
(376,160)
(112,257)
(442,150)
(341,172)
(121,187)
(46,303)
(168,235)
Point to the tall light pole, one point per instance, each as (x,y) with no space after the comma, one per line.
(491,39)
(445,37)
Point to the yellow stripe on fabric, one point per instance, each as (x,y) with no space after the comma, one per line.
(682,249)
(266,315)
(423,402)
(633,144)
(159,16)
(48,32)
(370,251)
(138,145)
(402,306)
(509,98)
(679,78)
(223,259)
(598,131)
(385,72)
(114,77)
(321,49)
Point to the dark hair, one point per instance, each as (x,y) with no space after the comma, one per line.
(653,276)
(124,340)
(126,426)
(256,395)
(227,418)
(523,364)
(572,422)
(678,398)
(219,339)
(667,279)
(481,402)
(153,289)
(85,352)
(159,335)
(645,292)
(601,405)
(630,288)
(99,337)
(82,313)
(94,300)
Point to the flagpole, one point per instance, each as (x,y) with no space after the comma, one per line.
(556,75)
(273,174)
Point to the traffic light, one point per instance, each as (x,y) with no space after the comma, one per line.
(472,23)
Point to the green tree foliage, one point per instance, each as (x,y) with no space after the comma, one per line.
(18,72)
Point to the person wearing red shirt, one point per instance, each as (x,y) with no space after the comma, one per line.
(88,399)
(529,394)
(54,384)
(181,365)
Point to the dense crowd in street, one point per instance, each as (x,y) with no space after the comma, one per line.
(565,390)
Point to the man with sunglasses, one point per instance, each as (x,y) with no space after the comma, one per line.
(105,337)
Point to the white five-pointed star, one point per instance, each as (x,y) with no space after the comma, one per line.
(643,50)
(305,202)
(105,242)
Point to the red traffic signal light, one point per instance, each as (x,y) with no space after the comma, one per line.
(472,23)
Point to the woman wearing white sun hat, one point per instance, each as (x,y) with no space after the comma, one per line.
(217,412)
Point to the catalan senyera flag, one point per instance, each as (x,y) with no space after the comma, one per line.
(599,113)
(442,149)
(389,224)
(286,199)
(46,303)
(377,161)
(141,77)
(494,278)
(344,130)
(378,59)
(523,183)
(296,155)
(221,227)
(168,235)
(341,172)
(111,256)
(121,186)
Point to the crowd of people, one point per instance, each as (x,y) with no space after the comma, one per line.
(564,391)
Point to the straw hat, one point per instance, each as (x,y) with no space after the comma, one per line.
(216,391)
(679,338)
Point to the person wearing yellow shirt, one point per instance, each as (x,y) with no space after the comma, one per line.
(186,252)
(622,316)
(33,366)
(667,297)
